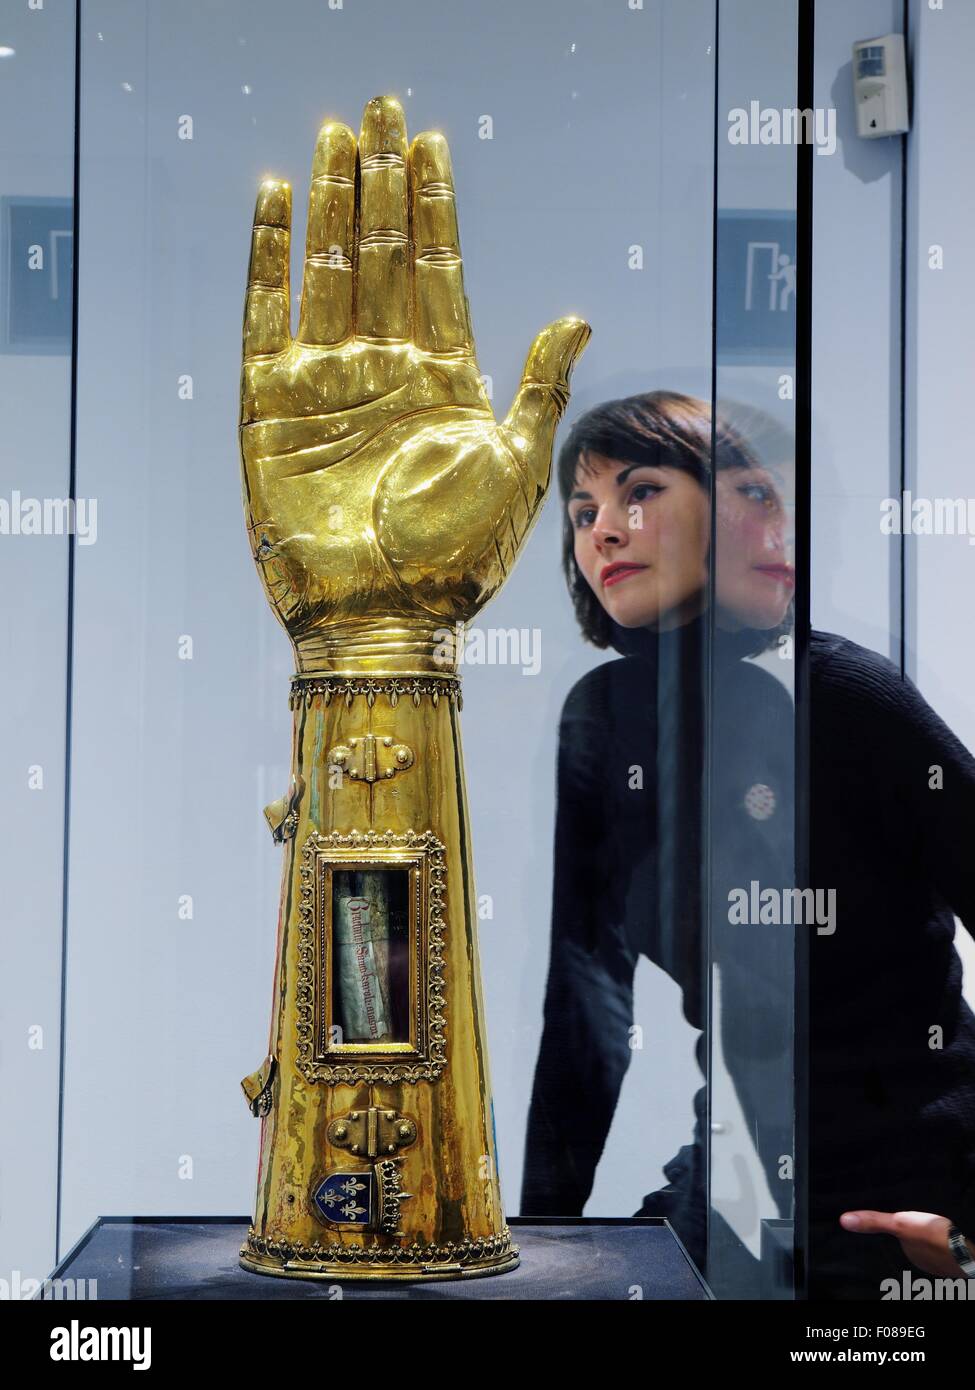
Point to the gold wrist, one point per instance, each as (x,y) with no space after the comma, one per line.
(379,647)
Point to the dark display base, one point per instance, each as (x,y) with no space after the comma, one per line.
(145,1258)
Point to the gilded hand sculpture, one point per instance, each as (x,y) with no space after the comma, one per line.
(382,497)
(384,505)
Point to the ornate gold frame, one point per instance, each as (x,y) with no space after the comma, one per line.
(423,1057)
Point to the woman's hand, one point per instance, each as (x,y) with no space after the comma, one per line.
(923,1237)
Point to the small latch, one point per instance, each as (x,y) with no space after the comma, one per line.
(363,758)
(282,815)
(257,1087)
(370,1133)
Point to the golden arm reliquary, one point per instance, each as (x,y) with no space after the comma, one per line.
(385,506)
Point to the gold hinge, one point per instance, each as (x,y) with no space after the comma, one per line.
(370,1133)
(362,758)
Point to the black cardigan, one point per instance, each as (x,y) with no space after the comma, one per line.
(892,1118)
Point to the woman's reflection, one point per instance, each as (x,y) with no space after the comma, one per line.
(891,1061)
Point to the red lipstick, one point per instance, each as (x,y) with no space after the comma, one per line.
(783,574)
(617,571)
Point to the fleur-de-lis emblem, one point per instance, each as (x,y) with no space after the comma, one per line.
(345,1198)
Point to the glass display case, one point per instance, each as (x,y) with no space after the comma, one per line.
(512,635)
(583,145)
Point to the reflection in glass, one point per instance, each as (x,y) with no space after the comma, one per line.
(751,872)
(370,954)
(752,1160)
(638,856)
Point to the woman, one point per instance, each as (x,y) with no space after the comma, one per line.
(892,1119)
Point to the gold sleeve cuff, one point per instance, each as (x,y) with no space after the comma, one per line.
(379,647)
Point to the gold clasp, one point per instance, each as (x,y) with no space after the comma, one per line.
(369,1133)
(360,757)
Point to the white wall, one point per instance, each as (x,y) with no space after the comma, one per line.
(37,159)
(940,578)
(941,569)
(856,346)
(863,226)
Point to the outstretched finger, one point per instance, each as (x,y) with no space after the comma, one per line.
(543,394)
(326,291)
(267,308)
(442,315)
(382,308)
(870,1223)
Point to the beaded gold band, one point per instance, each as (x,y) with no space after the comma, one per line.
(308,689)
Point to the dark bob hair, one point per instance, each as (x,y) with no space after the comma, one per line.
(664,429)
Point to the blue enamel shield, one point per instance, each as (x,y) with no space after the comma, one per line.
(345,1199)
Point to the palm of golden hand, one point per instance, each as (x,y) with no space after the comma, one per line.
(376,479)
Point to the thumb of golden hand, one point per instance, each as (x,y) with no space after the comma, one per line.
(540,400)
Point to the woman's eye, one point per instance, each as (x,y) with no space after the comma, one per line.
(642,491)
(758,492)
(583,517)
